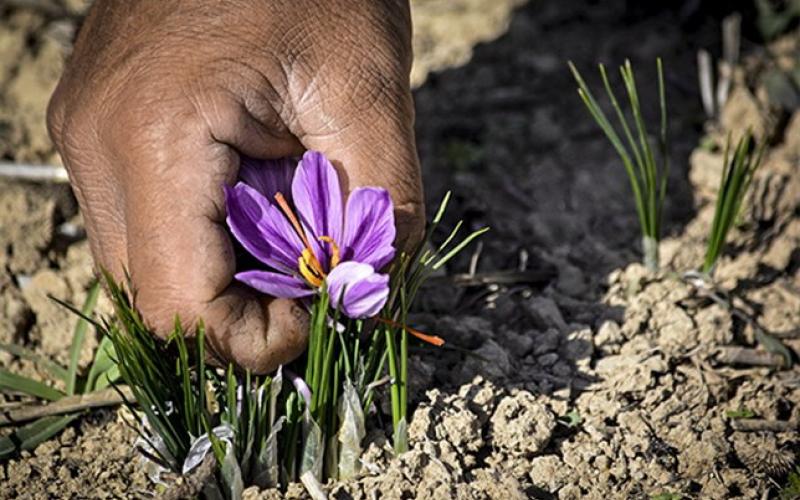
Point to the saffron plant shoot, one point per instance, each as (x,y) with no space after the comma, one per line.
(647,174)
(737,174)
(336,258)
(340,259)
(187,413)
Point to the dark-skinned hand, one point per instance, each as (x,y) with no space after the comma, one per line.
(161,97)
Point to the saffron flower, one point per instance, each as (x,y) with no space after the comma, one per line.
(294,220)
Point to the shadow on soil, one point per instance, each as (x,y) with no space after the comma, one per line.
(509,135)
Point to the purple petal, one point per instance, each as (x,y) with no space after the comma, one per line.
(357,290)
(301,386)
(262,228)
(275,284)
(369,229)
(268,177)
(318,199)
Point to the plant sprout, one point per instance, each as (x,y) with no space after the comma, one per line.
(648,175)
(187,409)
(348,360)
(102,372)
(737,174)
(331,254)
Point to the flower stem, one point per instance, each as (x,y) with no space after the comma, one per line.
(651,255)
(394,374)
(403,389)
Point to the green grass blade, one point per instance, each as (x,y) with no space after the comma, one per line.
(33,434)
(737,174)
(79,336)
(597,113)
(648,166)
(182,370)
(104,364)
(19,383)
(107,378)
(201,373)
(599,117)
(648,181)
(663,142)
(623,121)
(442,207)
(449,238)
(452,253)
(51,367)
(74,310)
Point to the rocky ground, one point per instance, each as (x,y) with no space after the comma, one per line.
(586,376)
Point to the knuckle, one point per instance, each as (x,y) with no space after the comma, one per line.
(161,294)
(375,88)
(152,120)
(55,118)
(260,334)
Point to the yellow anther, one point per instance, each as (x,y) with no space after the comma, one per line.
(306,265)
(337,256)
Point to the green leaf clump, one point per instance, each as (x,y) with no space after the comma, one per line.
(101,373)
(647,172)
(737,174)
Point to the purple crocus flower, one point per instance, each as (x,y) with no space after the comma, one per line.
(293,219)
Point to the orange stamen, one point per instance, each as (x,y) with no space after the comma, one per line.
(431,339)
(310,259)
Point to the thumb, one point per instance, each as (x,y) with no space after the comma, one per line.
(358,111)
(376,147)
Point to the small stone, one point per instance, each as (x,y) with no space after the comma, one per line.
(546,341)
(562,369)
(546,312)
(549,472)
(571,280)
(497,364)
(608,333)
(520,345)
(548,359)
(521,425)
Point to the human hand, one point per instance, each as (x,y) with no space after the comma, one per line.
(160,98)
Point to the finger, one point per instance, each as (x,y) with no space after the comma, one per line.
(377,148)
(245,118)
(359,112)
(181,257)
(99,200)
(94,185)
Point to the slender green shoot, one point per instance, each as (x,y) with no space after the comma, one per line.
(410,272)
(647,173)
(737,174)
(31,435)
(180,401)
(24,385)
(102,372)
(52,368)
(79,336)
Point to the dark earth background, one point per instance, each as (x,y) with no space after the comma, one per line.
(586,377)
